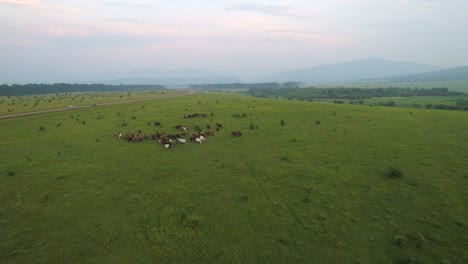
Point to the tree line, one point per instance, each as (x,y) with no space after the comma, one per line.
(347,93)
(31,89)
(225,86)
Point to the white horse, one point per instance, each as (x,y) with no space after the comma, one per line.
(182,141)
(202,138)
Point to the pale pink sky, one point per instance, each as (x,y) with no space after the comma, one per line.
(245,38)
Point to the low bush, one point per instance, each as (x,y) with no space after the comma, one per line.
(10,173)
(393,172)
(399,240)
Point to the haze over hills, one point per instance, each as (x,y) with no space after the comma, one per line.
(457,73)
(140,76)
(366,69)
(354,70)
(174,77)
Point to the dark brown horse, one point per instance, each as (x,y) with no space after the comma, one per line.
(236,133)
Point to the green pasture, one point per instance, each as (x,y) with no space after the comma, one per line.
(30,103)
(305,183)
(453,85)
(417,100)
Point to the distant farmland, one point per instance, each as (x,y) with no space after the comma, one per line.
(305,183)
(455,85)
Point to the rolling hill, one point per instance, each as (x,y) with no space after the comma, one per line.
(457,73)
(354,70)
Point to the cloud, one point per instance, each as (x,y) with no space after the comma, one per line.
(426,6)
(39,5)
(121,4)
(274,10)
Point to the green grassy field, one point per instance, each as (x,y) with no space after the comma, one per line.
(21,104)
(418,100)
(454,85)
(313,190)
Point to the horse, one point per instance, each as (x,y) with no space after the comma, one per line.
(182,141)
(202,138)
(236,133)
(175,136)
(193,137)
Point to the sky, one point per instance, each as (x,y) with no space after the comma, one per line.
(242,38)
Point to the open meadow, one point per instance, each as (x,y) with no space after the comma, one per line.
(452,85)
(30,103)
(305,183)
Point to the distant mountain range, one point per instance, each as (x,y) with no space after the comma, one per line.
(366,70)
(457,73)
(181,77)
(176,77)
(355,70)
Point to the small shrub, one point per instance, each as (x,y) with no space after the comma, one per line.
(393,172)
(282,122)
(46,196)
(244,198)
(41,128)
(133,117)
(10,173)
(59,125)
(124,124)
(399,240)
(252,126)
(317,122)
(284,158)
(192,221)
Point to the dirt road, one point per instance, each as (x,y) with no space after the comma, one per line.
(88,106)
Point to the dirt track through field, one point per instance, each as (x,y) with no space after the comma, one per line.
(88,106)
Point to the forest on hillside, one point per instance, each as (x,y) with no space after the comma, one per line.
(224,86)
(32,89)
(347,93)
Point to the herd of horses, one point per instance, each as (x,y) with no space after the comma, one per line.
(170,140)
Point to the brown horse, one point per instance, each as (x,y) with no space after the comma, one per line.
(236,133)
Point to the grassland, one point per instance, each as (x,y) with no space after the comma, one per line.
(23,104)
(454,85)
(313,190)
